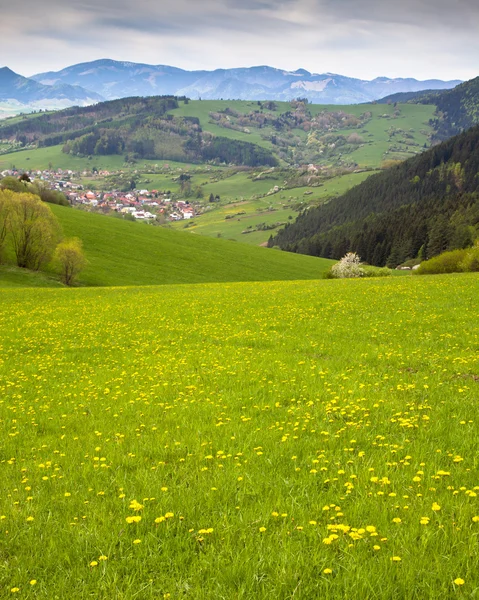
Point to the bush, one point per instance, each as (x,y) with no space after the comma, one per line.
(348,267)
(454,261)
(376,271)
(471,260)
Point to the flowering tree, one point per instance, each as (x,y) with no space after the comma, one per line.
(349,266)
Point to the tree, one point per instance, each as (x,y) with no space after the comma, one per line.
(69,259)
(347,267)
(33,228)
(4,199)
(14,184)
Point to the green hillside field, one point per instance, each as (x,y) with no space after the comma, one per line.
(125,253)
(243,440)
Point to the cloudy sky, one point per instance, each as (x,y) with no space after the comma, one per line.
(360,38)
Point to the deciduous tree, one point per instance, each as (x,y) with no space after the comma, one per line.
(69,259)
(33,229)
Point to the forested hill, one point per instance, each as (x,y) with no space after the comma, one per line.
(139,127)
(426,205)
(457,109)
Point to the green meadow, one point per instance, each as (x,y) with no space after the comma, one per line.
(266,440)
(121,253)
(241,208)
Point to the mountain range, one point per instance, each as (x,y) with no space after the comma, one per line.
(113,79)
(25,91)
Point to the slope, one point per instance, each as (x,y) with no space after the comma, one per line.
(421,207)
(126,253)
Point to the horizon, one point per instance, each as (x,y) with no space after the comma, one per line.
(364,39)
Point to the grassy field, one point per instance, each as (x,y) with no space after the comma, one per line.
(271,209)
(53,157)
(11,276)
(268,441)
(125,253)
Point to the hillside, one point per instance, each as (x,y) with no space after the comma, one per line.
(229,132)
(115,79)
(456,109)
(126,253)
(421,207)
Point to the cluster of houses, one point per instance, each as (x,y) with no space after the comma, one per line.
(144,205)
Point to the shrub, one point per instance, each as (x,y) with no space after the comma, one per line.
(376,271)
(447,262)
(348,267)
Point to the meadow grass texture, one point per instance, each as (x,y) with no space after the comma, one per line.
(313,439)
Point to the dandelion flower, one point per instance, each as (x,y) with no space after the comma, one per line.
(396,558)
(33,581)
(459,581)
(137,541)
(94,563)
(327,571)
(262,529)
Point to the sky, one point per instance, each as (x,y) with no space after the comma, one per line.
(359,38)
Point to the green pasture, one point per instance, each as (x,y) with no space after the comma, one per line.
(241,440)
(125,253)
(42,158)
(271,209)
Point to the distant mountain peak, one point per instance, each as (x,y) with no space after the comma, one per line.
(118,79)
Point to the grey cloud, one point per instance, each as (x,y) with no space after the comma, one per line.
(353,37)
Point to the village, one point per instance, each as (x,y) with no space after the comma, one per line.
(142,205)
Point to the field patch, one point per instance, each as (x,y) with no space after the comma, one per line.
(241,440)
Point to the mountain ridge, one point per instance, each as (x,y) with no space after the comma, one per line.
(118,79)
(15,87)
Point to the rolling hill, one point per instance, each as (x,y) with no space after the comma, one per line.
(230,132)
(124,253)
(114,79)
(428,204)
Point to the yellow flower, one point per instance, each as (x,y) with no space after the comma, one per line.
(459,581)
(396,520)
(133,519)
(93,563)
(435,507)
(327,571)
(137,541)
(396,558)
(33,582)
(103,557)
(159,519)
(14,590)
(424,521)
(30,519)
(475,519)
(262,529)
(376,547)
